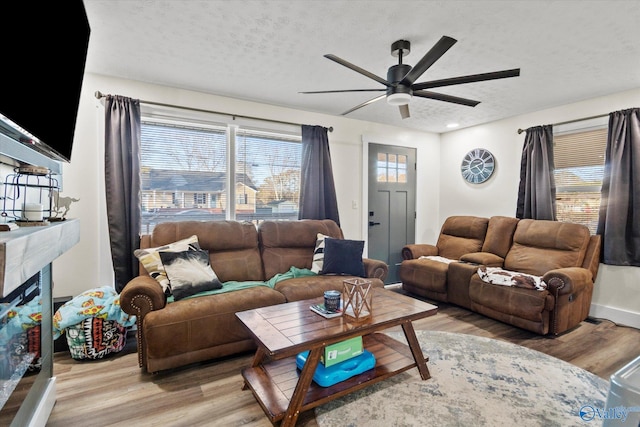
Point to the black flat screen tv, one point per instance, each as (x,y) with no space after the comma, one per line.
(44,49)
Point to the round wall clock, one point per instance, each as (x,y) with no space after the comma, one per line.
(477,165)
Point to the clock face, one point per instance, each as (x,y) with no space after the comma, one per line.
(477,165)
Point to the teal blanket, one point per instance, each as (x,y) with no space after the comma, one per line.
(231,286)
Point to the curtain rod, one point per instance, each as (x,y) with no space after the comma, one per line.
(571,121)
(100,95)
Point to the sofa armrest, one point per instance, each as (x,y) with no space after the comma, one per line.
(142,295)
(415,251)
(483,258)
(374,268)
(565,281)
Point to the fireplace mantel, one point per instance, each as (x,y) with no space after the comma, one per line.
(26,256)
(27,250)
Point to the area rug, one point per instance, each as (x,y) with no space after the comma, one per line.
(475,381)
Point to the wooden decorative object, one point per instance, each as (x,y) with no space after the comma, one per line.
(357,297)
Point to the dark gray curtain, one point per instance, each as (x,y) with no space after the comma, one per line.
(537,191)
(619,221)
(317,190)
(122,181)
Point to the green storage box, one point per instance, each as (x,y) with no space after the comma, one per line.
(341,351)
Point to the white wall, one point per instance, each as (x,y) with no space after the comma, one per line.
(88,264)
(617,289)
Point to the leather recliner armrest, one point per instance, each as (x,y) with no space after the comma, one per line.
(483,258)
(417,250)
(374,268)
(564,281)
(142,295)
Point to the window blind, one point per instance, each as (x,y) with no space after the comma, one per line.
(579,168)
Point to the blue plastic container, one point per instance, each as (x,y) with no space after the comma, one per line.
(326,377)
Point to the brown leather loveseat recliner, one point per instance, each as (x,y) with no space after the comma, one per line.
(205,327)
(564,255)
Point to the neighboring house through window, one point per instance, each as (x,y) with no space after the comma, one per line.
(186,168)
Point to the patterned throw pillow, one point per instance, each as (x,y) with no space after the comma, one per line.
(189,272)
(318,254)
(150,259)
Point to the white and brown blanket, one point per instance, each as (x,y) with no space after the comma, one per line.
(437,258)
(498,276)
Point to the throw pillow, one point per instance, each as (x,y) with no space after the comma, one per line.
(150,259)
(318,254)
(342,256)
(189,273)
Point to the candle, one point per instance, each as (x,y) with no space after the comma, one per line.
(32,211)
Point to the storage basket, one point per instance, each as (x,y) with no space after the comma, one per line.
(94,338)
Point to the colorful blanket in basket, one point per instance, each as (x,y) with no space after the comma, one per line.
(103,303)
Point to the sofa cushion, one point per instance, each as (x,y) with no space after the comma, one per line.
(232,245)
(343,256)
(287,244)
(540,246)
(460,235)
(189,273)
(483,258)
(425,273)
(515,302)
(314,286)
(499,235)
(150,259)
(201,324)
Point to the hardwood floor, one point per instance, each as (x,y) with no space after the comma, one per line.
(115,392)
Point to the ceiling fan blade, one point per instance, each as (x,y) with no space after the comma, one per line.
(439,49)
(357,69)
(467,79)
(346,90)
(371,101)
(446,98)
(404,111)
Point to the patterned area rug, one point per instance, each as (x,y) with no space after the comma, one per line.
(474,381)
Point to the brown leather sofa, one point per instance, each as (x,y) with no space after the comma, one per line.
(202,328)
(564,255)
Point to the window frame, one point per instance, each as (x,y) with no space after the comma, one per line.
(172,116)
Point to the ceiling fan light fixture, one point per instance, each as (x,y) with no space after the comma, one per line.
(398,98)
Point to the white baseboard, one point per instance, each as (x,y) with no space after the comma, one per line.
(616,315)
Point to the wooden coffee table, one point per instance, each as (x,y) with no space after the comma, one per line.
(282,331)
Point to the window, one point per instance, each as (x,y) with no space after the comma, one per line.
(199,199)
(579,168)
(392,168)
(185,172)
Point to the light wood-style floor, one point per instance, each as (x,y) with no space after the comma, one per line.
(115,392)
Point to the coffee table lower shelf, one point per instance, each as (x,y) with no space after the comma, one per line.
(273,383)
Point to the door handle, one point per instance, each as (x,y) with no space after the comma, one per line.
(371,223)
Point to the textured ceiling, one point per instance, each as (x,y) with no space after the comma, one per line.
(269,51)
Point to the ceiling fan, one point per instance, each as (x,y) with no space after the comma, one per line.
(400,83)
